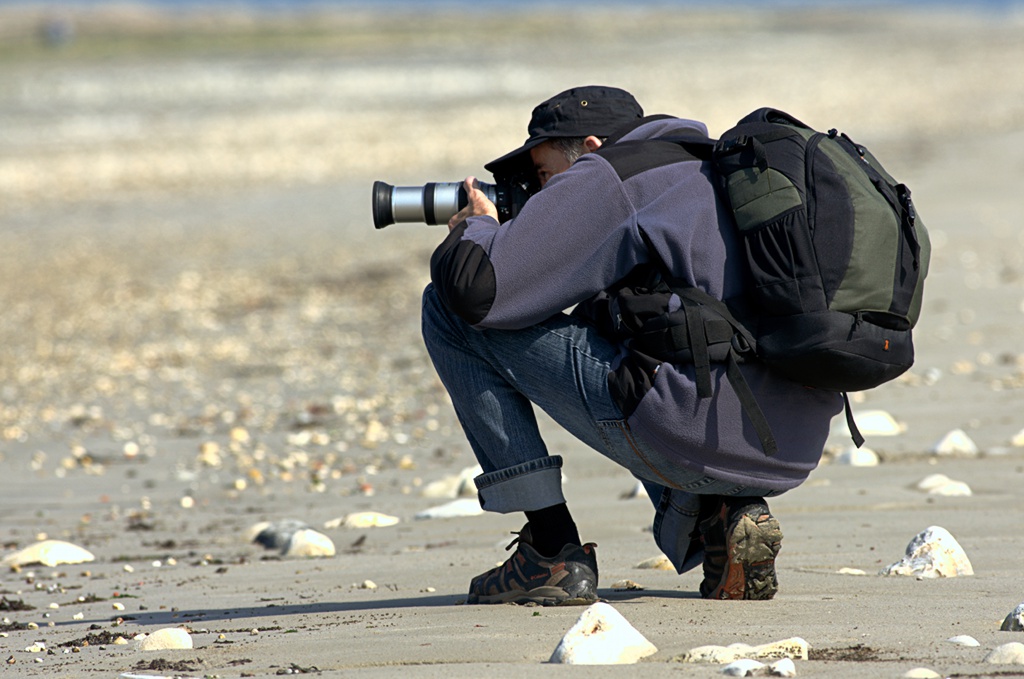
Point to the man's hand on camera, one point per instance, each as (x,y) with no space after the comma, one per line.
(477,204)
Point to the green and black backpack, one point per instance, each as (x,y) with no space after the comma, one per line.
(836,254)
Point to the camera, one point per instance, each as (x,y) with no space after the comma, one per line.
(436,202)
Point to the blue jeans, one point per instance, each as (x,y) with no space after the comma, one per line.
(495,376)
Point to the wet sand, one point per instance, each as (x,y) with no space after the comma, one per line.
(191,267)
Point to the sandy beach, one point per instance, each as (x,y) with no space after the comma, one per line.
(202,331)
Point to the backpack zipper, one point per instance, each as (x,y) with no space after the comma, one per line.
(810,150)
(905,216)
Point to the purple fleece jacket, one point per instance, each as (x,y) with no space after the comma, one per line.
(579,236)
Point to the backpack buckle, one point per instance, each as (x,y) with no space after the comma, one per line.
(740,344)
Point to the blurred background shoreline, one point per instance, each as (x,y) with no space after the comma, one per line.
(99,99)
(157,145)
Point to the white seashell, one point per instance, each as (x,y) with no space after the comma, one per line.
(1018,439)
(952,489)
(164,639)
(309,543)
(940,484)
(1007,654)
(49,553)
(921,673)
(782,668)
(275,535)
(744,667)
(932,553)
(963,640)
(850,571)
(956,442)
(363,520)
(658,563)
(933,481)
(871,423)
(601,636)
(455,508)
(794,647)
(1014,622)
(857,457)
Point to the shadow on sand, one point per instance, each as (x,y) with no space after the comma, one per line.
(197,615)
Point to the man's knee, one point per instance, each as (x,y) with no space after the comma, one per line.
(437,323)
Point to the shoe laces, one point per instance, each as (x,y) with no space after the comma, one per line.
(522,535)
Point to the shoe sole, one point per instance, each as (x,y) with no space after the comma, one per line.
(541,596)
(752,546)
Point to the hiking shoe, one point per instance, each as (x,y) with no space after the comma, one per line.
(570,578)
(740,546)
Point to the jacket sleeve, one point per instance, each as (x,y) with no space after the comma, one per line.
(570,241)
(463,276)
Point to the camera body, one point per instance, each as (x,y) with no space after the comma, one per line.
(437,202)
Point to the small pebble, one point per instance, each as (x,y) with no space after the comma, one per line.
(627,586)
(782,668)
(744,667)
(363,520)
(659,563)
(857,457)
(921,673)
(871,423)
(956,442)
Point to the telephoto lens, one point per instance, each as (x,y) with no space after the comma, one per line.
(432,203)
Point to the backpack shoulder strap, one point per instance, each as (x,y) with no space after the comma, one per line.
(632,157)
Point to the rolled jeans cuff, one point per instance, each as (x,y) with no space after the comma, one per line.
(525,487)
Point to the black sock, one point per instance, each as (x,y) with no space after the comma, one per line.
(551,529)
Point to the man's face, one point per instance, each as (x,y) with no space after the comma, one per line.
(548,161)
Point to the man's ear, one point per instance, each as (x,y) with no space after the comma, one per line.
(592,143)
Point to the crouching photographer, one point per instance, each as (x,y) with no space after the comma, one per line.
(603,221)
